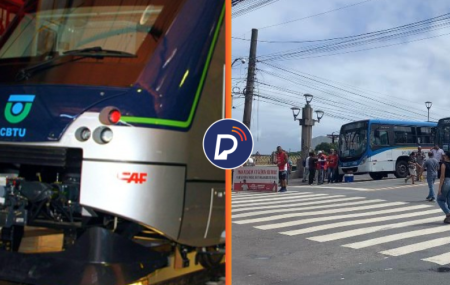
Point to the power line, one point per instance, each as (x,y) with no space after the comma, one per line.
(243,7)
(419,27)
(315,15)
(361,106)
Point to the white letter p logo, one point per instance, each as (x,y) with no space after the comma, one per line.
(225,153)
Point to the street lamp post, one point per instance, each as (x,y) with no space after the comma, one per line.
(239,58)
(307,122)
(428,104)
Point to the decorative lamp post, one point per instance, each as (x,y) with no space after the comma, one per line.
(306,122)
(428,104)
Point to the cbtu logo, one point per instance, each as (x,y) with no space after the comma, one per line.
(228,143)
(18,107)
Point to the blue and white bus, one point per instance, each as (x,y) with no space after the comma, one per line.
(380,147)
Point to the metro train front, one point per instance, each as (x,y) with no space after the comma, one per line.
(105,107)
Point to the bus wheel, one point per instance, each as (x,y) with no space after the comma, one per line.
(401,169)
(376,175)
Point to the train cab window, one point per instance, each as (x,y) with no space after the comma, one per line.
(379,138)
(404,135)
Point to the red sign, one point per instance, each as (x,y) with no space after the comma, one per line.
(135,177)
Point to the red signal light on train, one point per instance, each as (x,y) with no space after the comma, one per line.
(114,116)
(110,115)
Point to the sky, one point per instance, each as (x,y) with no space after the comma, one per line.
(390,83)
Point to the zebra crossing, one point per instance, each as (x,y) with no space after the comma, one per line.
(325,217)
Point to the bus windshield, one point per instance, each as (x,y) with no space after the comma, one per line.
(353,140)
(50,29)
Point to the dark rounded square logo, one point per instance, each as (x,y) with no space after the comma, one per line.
(228,143)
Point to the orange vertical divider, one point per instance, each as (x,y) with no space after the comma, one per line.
(228,255)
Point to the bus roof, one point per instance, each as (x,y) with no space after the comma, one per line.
(397,122)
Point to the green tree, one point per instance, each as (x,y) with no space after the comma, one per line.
(325,147)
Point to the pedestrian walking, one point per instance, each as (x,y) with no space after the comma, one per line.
(412,167)
(438,152)
(432,166)
(306,170)
(312,167)
(443,198)
(420,156)
(332,166)
(321,167)
(282,162)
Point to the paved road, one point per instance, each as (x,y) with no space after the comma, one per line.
(368,232)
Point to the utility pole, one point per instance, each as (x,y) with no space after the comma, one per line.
(332,136)
(248,92)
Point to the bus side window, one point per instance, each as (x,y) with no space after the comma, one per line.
(424,135)
(404,135)
(380,138)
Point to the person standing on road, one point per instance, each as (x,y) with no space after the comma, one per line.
(321,166)
(420,160)
(432,165)
(312,167)
(306,169)
(282,162)
(438,152)
(443,197)
(332,166)
(412,167)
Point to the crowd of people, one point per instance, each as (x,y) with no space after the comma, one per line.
(325,166)
(320,165)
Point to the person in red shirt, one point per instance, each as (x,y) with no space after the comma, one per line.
(282,162)
(332,165)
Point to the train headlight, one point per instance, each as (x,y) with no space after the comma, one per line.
(83,134)
(103,135)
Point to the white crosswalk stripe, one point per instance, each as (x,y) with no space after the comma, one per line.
(321,211)
(416,247)
(364,231)
(315,213)
(442,259)
(400,236)
(328,201)
(258,213)
(293,199)
(238,197)
(339,217)
(357,222)
(277,198)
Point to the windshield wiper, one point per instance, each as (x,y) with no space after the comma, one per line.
(98,52)
(92,52)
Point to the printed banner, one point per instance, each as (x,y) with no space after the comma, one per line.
(256,178)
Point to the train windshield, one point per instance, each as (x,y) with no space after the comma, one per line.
(353,140)
(80,36)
